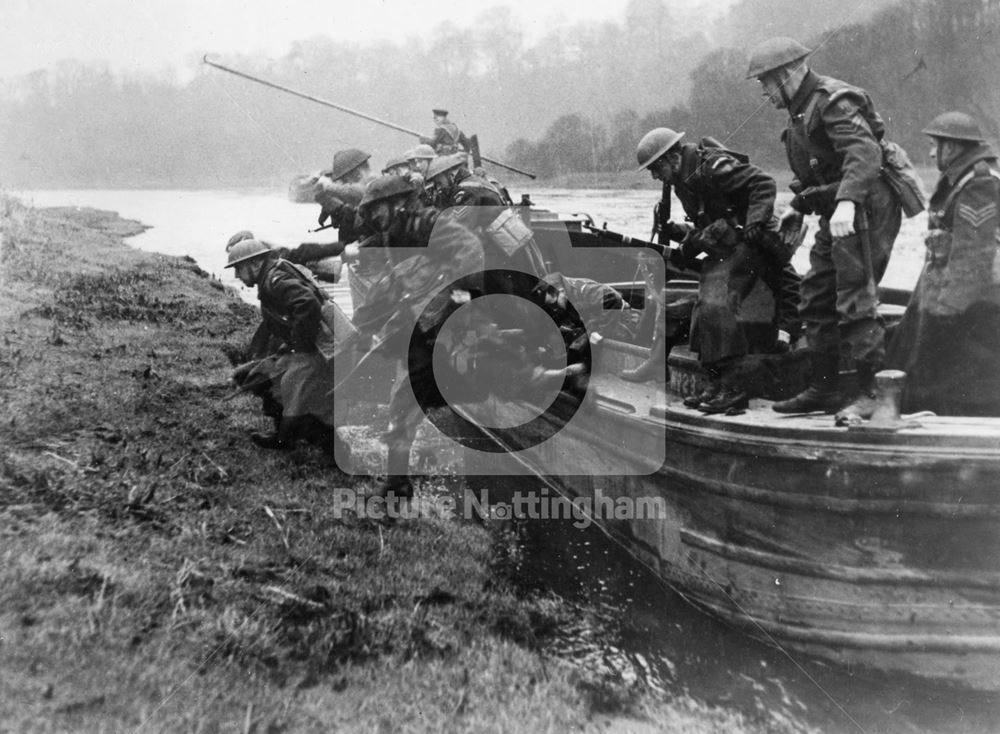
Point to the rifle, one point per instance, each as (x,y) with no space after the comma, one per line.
(670,254)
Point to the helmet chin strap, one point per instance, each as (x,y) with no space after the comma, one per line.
(783,91)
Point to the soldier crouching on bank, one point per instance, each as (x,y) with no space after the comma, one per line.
(298,379)
(730,206)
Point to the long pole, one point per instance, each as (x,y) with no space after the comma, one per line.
(342,108)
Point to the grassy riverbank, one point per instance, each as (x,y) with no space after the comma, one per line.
(159,573)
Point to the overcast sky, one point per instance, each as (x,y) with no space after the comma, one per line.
(154,35)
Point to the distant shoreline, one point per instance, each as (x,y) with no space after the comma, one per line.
(630,179)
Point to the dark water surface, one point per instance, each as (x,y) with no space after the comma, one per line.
(632,627)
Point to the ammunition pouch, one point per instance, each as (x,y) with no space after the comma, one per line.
(508,232)
(334,330)
(898,172)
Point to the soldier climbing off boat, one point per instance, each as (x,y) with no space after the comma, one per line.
(729,207)
(948,342)
(833,143)
(390,317)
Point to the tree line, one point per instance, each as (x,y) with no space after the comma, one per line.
(577,98)
(917,59)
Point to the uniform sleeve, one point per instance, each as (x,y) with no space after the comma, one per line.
(302,308)
(732,176)
(973,243)
(852,138)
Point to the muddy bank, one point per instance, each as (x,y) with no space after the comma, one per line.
(160,573)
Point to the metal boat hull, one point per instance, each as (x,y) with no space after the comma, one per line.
(873,550)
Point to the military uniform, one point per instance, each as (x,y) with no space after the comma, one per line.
(407,317)
(949,340)
(447,139)
(339,202)
(720,192)
(292,311)
(834,150)
(508,243)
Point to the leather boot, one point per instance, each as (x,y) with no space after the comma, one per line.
(862,406)
(397,481)
(730,400)
(711,390)
(655,366)
(283,437)
(822,393)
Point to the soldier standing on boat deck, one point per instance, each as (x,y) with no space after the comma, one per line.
(730,206)
(948,343)
(447,138)
(833,145)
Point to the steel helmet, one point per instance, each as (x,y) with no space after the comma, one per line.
(243,234)
(246,250)
(446,163)
(398,160)
(386,187)
(654,144)
(345,161)
(773,54)
(955,126)
(421,151)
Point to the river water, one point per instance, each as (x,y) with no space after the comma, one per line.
(636,629)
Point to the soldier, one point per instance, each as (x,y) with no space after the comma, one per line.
(397,166)
(447,138)
(392,209)
(292,311)
(833,142)
(339,201)
(339,198)
(508,242)
(420,157)
(730,205)
(949,340)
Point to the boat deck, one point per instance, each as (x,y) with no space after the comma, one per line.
(657,401)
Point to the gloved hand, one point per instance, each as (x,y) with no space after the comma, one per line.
(938,243)
(311,251)
(815,199)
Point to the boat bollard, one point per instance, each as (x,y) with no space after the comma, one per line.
(888,398)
